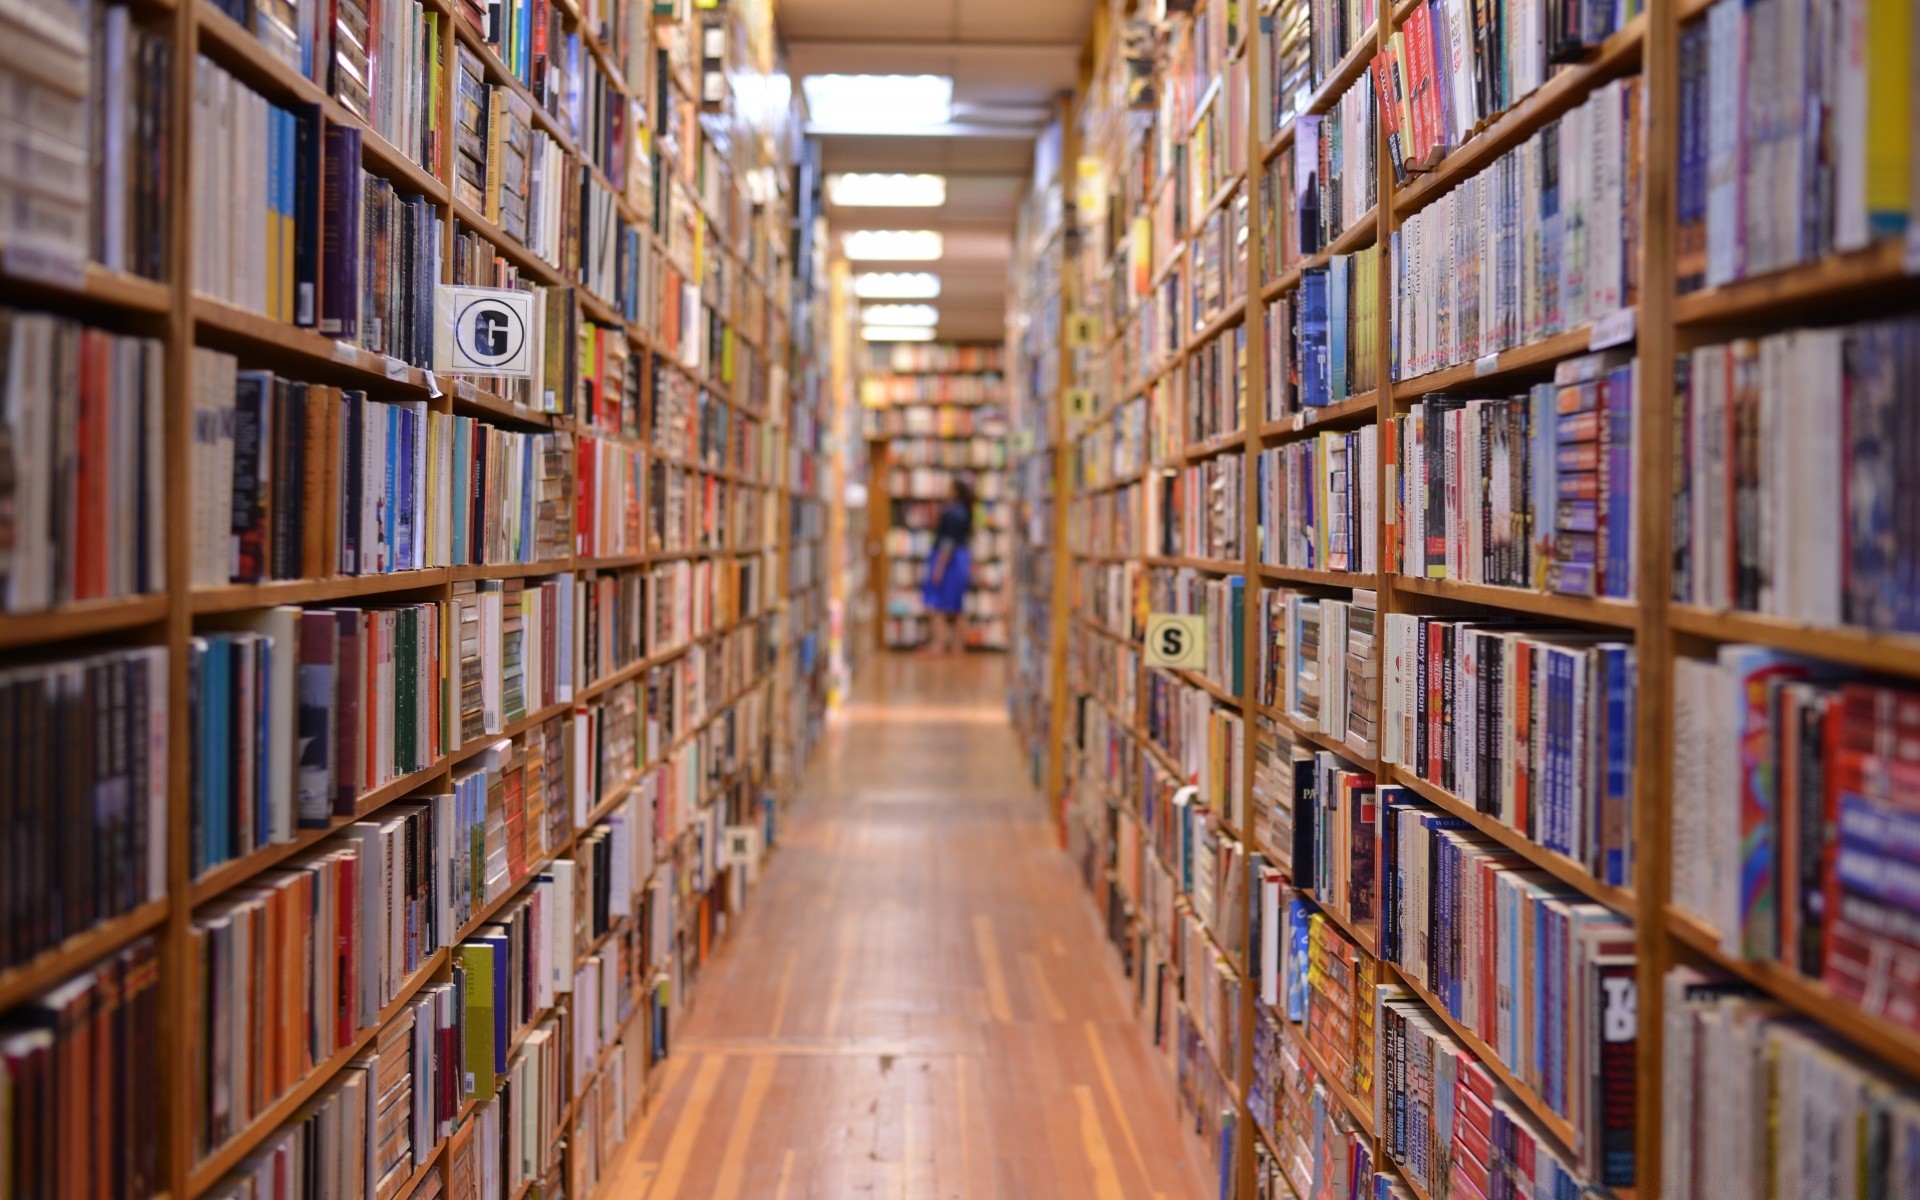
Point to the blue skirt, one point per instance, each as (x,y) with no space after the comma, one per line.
(948,593)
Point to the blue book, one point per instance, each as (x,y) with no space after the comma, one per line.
(502,992)
(1617,446)
(462,447)
(219,678)
(1314,378)
(1615,840)
(403,490)
(1559,756)
(1867,823)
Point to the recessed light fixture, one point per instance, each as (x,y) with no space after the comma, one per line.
(905,285)
(896,333)
(887,191)
(877,103)
(893,245)
(900,314)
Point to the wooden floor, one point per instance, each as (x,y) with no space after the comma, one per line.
(917,1002)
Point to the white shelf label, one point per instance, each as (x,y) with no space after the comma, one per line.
(1486,364)
(1614,329)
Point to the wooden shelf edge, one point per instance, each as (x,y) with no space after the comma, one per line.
(85,618)
(1889,653)
(1346,579)
(1533,357)
(1587,610)
(1308,420)
(240,596)
(1797,291)
(23,981)
(1875,1036)
(1562,868)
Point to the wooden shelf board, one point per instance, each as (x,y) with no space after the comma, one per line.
(1799,292)
(1357,237)
(1534,358)
(1325,741)
(238,596)
(1893,1044)
(1234,440)
(23,981)
(1892,653)
(1233,314)
(1562,868)
(1352,410)
(1349,69)
(508,731)
(1618,55)
(1587,610)
(33,273)
(551,566)
(311,354)
(1213,566)
(85,618)
(1346,579)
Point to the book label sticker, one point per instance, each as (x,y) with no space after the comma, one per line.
(486,331)
(1083,329)
(1614,329)
(1176,640)
(396,369)
(1486,364)
(346,352)
(1079,403)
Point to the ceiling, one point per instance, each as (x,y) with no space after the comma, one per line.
(1008,60)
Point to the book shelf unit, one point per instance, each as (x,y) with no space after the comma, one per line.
(1037,470)
(699,327)
(1174,209)
(850,597)
(934,412)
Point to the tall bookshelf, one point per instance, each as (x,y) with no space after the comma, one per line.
(804,681)
(850,596)
(658,227)
(934,412)
(1216,359)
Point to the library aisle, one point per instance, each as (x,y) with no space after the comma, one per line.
(917,1003)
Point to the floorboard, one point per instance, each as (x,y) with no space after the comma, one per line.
(917,1002)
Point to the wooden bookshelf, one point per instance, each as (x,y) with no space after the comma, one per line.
(1665,324)
(764,486)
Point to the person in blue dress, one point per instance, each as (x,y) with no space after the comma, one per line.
(950,571)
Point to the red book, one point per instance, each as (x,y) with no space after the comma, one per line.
(350,746)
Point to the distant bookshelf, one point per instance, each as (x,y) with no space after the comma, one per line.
(933,413)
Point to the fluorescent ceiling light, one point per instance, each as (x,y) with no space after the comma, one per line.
(893,245)
(907,285)
(896,333)
(878,103)
(887,191)
(900,314)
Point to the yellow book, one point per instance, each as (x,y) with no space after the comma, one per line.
(1889,114)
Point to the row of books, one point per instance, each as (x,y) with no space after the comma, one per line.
(937,357)
(1795,136)
(1318,501)
(1542,976)
(380,59)
(1533,726)
(1305,40)
(81,415)
(1323,338)
(1199,512)
(297,713)
(79,1069)
(1216,266)
(953,452)
(1450,1126)
(1317,664)
(1800,842)
(689,509)
(1336,178)
(1334,836)
(516,652)
(1735,1063)
(1317,1149)
(1180,718)
(1532,491)
(1446,70)
(89,180)
(1791,496)
(1215,378)
(1545,240)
